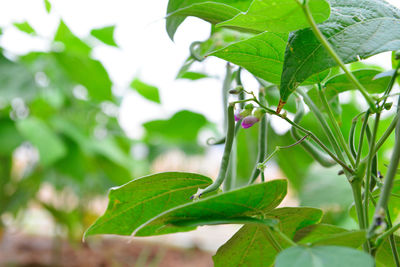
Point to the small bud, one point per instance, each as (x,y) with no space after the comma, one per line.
(234,92)
(240,114)
(249,121)
(259,113)
(388,106)
(249,107)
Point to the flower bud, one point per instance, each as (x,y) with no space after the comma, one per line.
(388,106)
(249,106)
(240,114)
(249,121)
(259,113)
(236,90)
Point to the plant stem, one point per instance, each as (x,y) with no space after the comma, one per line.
(361,141)
(387,133)
(336,127)
(368,175)
(312,136)
(387,233)
(323,123)
(283,236)
(314,152)
(262,140)
(338,60)
(388,183)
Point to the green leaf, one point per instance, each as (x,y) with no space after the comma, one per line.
(183,127)
(329,235)
(173,22)
(262,55)
(9,136)
(384,256)
(25,27)
(368,78)
(244,202)
(70,41)
(106,35)
(355,29)
(277,16)
(208,11)
(236,220)
(327,256)
(50,146)
(147,91)
(90,73)
(191,75)
(251,244)
(133,204)
(47,5)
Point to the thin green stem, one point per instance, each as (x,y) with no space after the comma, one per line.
(371,156)
(325,127)
(387,133)
(309,147)
(312,136)
(388,183)
(336,127)
(390,85)
(334,55)
(386,234)
(361,141)
(284,236)
(262,140)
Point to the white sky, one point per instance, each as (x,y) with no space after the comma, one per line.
(145,51)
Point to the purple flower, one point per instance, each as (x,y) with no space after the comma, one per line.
(249,121)
(237,115)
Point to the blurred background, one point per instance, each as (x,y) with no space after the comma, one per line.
(94,94)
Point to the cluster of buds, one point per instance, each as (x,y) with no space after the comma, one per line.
(249,115)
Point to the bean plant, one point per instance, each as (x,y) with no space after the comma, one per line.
(304,54)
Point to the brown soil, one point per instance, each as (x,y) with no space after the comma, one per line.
(24,250)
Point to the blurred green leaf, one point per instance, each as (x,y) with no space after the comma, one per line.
(327,256)
(10,138)
(25,27)
(50,146)
(136,202)
(47,5)
(183,126)
(106,35)
(277,16)
(70,41)
(191,75)
(244,202)
(384,256)
(90,73)
(147,91)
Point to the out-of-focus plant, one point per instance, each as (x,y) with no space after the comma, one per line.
(337,153)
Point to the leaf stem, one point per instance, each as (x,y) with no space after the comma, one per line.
(334,55)
(361,141)
(336,128)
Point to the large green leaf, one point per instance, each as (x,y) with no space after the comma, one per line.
(147,91)
(327,256)
(133,204)
(244,202)
(50,146)
(262,55)
(384,255)
(106,35)
(251,246)
(173,22)
(368,78)
(277,16)
(355,29)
